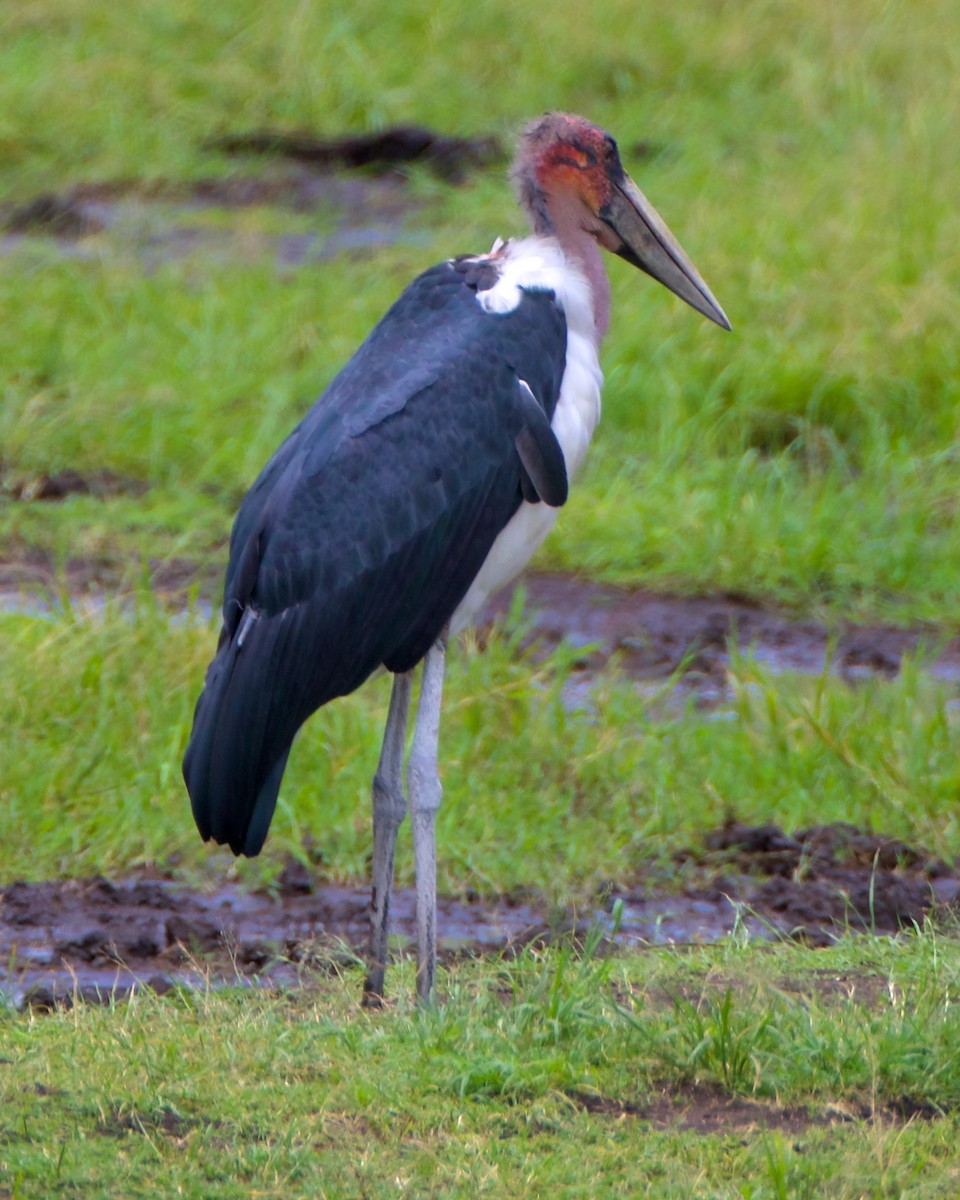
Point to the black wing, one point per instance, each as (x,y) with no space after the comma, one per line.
(365,530)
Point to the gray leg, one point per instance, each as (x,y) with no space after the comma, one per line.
(389,809)
(423,785)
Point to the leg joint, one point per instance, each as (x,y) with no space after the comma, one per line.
(423,784)
(389,805)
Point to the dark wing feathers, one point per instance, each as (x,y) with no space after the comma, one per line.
(365,530)
(544,475)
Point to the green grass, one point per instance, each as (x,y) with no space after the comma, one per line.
(546,1074)
(95,713)
(809,458)
(805,154)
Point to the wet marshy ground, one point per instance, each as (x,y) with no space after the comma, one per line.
(353,186)
(655,635)
(91,939)
(94,938)
(652,635)
(169,223)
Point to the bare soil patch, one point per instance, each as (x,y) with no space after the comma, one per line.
(161,222)
(62,940)
(61,484)
(828,878)
(357,180)
(91,208)
(53,214)
(707,1109)
(30,582)
(655,634)
(702,1108)
(815,886)
(450,157)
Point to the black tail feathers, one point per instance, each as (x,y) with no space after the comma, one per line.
(235,760)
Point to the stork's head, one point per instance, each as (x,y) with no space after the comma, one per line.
(569,177)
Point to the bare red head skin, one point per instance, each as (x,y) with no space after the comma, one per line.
(570,180)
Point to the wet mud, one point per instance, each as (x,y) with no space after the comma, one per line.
(91,939)
(452,158)
(31,582)
(164,222)
(359,211)
(62,484)
(652,636)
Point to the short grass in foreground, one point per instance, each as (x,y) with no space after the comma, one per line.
(813,1073)
(546,786)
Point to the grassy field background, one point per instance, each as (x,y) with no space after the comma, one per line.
(805,155)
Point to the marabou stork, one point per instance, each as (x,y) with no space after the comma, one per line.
(420,482)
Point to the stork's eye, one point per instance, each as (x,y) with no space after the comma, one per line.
(610,147)
(579,157)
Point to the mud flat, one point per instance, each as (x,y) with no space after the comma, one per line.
(90,939)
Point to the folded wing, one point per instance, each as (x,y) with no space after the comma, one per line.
(363,533)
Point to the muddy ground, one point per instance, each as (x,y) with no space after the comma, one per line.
(655,635)
(165,222)
(93,938)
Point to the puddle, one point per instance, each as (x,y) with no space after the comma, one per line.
(654,634)
(94,938)
(355,214)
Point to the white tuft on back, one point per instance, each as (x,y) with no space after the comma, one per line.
(537,263)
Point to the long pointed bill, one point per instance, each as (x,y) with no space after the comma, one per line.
(647,243)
